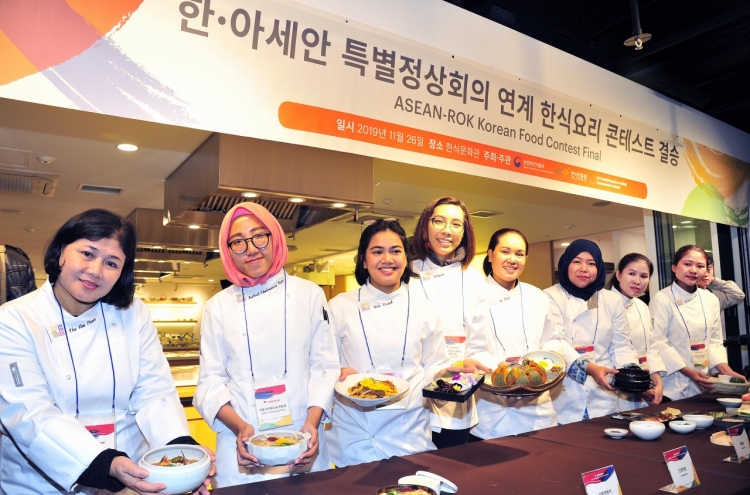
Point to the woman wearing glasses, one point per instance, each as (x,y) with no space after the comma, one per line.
(594,323)
(687,326)
(443,247)
(388,327)
(268,355)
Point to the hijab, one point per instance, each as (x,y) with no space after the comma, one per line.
(278,241)
(577,247)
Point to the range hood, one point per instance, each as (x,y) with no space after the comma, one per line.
(212,179)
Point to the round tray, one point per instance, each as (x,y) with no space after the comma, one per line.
(522,390)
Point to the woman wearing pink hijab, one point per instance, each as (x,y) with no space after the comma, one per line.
(268,355)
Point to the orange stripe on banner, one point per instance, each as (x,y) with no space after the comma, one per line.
(349,126)
(15,65)
(105,15)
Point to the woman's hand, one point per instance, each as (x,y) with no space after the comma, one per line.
(312,445)
(132,476)
(346,372)
(203,490)
(599,374)
(724,369)
(702,380)
(656,394)
(244,458)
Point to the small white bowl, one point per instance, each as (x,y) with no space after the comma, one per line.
(179,479)
(281,455)
(647,430)
(724,378)
(681,426)
(702,421)
(729,402)
(616,433)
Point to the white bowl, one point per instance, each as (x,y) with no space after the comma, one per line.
(702,421)
(724,378)
(681,426)
(729,402)
(616,433)
(179,479)
(281,455)
(647,430)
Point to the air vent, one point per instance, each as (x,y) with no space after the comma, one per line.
(100,189)
(14,158)
(485,213)
(28,183)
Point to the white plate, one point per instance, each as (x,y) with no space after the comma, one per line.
(730,402)
(402,386)
(542,358)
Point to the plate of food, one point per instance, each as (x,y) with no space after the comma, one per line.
(527,377)
(371,389)
(453,386)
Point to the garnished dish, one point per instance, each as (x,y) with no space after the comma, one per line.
(526,373)
(405,490)
(454,383)
(736,379)
(534,373)
(179,460)
(660,417)
(370,388)
(279,441)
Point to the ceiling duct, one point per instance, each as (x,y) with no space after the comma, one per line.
(212,179)
(158,242)
(27,183)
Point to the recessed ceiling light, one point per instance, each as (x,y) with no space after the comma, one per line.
(210,280)
(330,261)
(338,205)
(135,260)
(565,244)
(186,262)
(296,200)
(194,226)
(156,247)
(249,194)
(161,261)
(127,147)
(188,249)
(216,251)
(686,221)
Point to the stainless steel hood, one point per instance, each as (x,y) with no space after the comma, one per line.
(213,178)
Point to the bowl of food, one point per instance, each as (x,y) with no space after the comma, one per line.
(183,468)
(702,421)
(730,403)
(526,377)
(405,490)
(735,386)
(647,430)
(371,389)
(682,426)
(278,447)
(616,433)
(728,420)
(415,479)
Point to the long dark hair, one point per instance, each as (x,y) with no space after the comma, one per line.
(421,242)
(94,225)
(487,264)
(624,262)
(380,225)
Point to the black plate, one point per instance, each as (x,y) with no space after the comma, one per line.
(631,389)
(430,393)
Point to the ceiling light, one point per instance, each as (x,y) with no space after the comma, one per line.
(338,205)
(161,261)
(194,226)
(186,262)
(210,280)
(249,194)
(565,244)
(188,249)
(216,251)
(330,261)
(135,260)
(156,247)
(686,221)
(296,200)
(127,147)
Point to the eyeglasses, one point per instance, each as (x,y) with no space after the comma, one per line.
(440,223)
(240,246)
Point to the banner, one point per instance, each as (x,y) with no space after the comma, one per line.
(283,71)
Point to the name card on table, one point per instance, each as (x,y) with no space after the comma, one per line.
(602,481)
(738,434)
(681,469)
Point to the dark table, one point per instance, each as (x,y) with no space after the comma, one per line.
(546,462)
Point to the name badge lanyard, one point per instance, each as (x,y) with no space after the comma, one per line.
(705,322)
(596,328)
(523,321)
(109,348)
(463,306)
(406,330)
(645,335)
(247,332)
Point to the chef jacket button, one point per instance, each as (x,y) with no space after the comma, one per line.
(243,334)
(68,377)
(373,436)
(114,325)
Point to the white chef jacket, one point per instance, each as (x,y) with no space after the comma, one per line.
(361,434)
(642,338)
(701,314)
(606,328)
(38,407)
(521,323)
(459,297)
(225,376)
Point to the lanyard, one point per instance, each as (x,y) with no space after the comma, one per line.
(523,321)
(247,331)
(406,330)
(705,322)
(111,362)
(645,336)
(463,306)
(596,328)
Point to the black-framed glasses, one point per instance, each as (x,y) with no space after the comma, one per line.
(240,246)
(440,223)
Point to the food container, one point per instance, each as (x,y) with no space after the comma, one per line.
(553,379)
(179,479)
(634,380)
(702,421)
(278,455)
(405,490)
(414,479)
(729,420)
(730,388)
(616,433)
(647,430)
(681,426)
